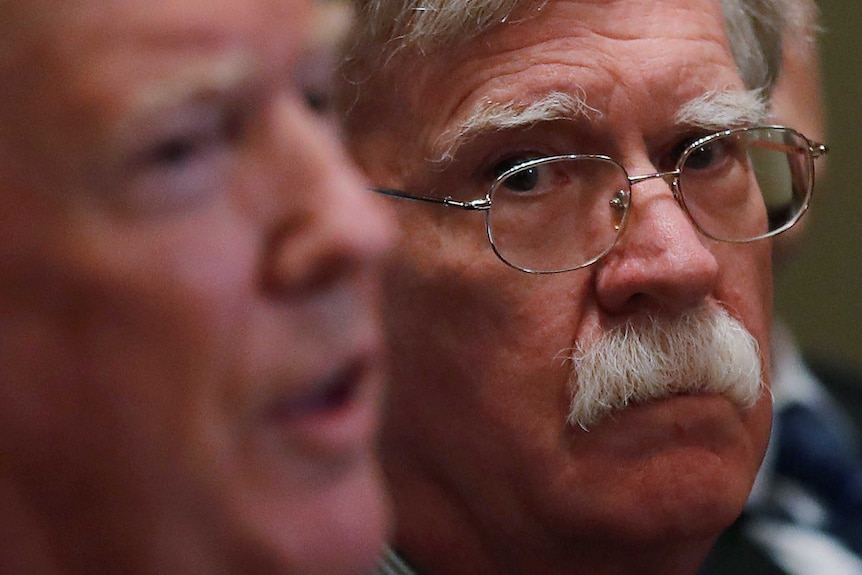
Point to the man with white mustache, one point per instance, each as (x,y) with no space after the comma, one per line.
(578,306)
(704,352)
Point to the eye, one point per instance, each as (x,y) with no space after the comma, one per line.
(190,143)
(707,155)
(177,150)
(315,80)
(182,156)
(536,178)
(703,156)
(524,180)
(318,101)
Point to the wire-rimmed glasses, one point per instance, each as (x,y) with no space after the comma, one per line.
(562,213)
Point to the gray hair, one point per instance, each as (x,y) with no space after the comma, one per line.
(754,32)
(385,28)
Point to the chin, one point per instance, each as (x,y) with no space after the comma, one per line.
(678,469)
(353,530)
(690,493)
(336,528)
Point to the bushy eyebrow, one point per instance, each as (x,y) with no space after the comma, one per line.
(714,110)
(723,109)
(489,116)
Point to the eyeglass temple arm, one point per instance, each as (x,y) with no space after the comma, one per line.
(815,149)
(477,204)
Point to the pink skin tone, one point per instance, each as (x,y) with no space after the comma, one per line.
(190,351)
(485,475)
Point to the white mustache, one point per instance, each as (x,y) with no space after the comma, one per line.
(705,351)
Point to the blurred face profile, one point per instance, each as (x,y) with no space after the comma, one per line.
(188,339)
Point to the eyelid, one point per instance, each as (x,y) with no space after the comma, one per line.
(178,159)
(513,148)
(680,143)
(507,162)
(145,130)
(314,71)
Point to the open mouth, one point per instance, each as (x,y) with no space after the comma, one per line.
(328,395)
(335,413)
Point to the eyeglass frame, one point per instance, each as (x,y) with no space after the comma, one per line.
(623,197)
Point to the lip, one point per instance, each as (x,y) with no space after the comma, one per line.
(337,412)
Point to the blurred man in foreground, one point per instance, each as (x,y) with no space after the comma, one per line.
(580,303)
(189,354)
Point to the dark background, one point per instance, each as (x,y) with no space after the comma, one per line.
(819,294)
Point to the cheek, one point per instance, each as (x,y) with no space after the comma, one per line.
(476,340)
(472,305)
(746,291)
(142,318)
(745,286)
(110,381)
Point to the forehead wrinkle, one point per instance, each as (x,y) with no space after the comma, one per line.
(489,116)
(723,109)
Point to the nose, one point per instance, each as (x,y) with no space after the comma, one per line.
(328,226)
(660,263)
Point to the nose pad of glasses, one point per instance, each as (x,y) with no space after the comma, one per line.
(619,206)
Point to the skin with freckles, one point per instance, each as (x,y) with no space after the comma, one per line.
(189,348)
(486,475)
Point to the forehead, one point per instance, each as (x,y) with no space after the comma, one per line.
(95,44)
(612,44)
(88,23)
(76,30)
(124,14)
(638,60)
(72,70)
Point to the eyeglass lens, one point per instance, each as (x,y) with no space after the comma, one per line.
(563,213)
(719,182)
(557,215)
